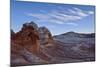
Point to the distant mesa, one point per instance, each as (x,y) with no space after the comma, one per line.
(81,35)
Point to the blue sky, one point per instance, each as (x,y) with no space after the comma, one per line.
(58,18)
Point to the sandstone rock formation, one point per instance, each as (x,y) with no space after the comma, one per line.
(36,45)
(45,36)
(28,37)
(25,45)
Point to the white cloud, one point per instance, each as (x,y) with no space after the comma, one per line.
(39,16)
(90,12)
(73,24)
(77,9)
(80,12)
(72,11)
(62,16)
(56,21)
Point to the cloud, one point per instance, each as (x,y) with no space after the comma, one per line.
(79,12)
(39,16)
(90,12)
(61,16)
(56,21)
(73,24)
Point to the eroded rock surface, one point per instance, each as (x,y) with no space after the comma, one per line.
(36,45)
(45,36)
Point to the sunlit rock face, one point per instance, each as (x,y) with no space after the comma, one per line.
(28,37)
(45,36)
(25,45)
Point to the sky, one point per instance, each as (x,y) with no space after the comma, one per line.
(58,18)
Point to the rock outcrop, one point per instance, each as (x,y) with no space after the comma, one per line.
(25,45)
(45,36)
(36,45)
(12,32)
(28,37)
